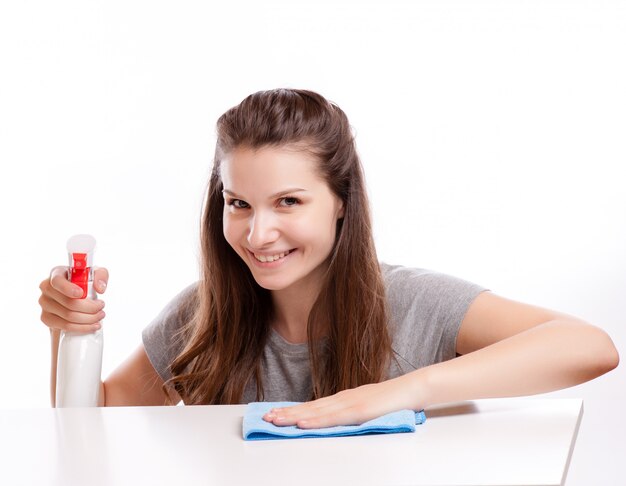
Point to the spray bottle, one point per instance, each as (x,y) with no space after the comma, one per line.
(79,363)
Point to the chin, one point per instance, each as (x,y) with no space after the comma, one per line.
(271,284)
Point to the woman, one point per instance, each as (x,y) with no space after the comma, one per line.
(293,304)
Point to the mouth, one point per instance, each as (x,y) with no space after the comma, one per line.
(270,260)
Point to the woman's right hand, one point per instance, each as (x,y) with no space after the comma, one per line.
(61,307)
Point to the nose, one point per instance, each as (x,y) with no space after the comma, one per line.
(263,230)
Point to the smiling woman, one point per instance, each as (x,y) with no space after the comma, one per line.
(286,181)
(293,304)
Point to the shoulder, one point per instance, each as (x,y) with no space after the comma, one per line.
(187,297)
(426,309)
(402,283)
(398,274)
(177,311)
(421,298)
(162,338)
(183,303)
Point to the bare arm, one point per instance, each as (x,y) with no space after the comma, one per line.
(508,349)
(135,382)
(512,349)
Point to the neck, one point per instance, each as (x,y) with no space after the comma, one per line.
(292,307)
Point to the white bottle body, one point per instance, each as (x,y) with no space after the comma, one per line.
(79,366)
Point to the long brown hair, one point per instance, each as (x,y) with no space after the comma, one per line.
(224,340)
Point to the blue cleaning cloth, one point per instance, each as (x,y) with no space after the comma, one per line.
(255,428)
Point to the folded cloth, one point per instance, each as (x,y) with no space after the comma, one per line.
(255,428)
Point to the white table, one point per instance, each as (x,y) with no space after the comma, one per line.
(484,442)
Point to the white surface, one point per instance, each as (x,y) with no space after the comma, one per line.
(486,442)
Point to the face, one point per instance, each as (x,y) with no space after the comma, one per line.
(280,216)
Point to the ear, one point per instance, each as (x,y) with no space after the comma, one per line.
(340,210)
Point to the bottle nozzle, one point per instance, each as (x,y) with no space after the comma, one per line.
(80,250)
(79,260)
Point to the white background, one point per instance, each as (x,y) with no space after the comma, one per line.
(492,134)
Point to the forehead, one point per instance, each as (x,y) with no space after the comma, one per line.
(269,168)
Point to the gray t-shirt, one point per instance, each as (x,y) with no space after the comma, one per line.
(426,310)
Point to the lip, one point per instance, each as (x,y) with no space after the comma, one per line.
(274,264)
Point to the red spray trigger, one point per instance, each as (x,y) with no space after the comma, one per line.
(79,272)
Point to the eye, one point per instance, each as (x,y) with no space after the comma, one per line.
(289,201)
(237,203)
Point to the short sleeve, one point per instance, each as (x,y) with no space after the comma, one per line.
(159,337)
(426,311)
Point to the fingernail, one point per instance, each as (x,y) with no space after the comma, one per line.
(269,416)
(102,285)
(78,292)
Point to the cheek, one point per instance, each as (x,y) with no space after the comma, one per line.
(230,230)
(316,229)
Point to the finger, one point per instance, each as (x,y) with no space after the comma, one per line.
(302,407)
(319,403)
(89,306)
(347,407)
(322,418)
(51,306)
(60,283)
(331,419)
(101,279)
(55,322)
(288,412)
(295,414)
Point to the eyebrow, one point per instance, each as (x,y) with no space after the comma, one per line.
(278,194)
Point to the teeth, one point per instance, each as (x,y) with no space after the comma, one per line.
(271,258)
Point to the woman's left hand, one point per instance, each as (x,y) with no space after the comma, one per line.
(350,407)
